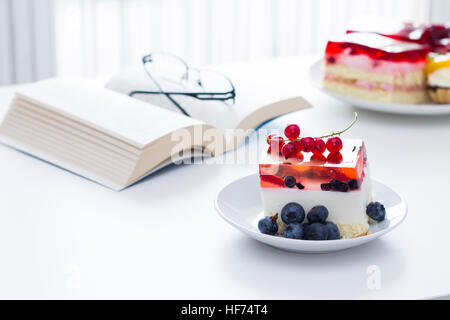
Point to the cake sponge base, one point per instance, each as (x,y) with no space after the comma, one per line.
(399,96)
(440,95)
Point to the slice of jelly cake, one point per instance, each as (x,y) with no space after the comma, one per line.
(339,181)
(373,67)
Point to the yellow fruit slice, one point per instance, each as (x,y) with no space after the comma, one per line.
(437,61)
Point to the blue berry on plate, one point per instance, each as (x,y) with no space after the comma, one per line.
(305,227)
(376,211)
(292,212)
(289,181)
(293,231)
(333,231)
(268,225)
(318,214)
(316,231)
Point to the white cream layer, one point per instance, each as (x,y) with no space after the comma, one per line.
(440,78)
(344,207)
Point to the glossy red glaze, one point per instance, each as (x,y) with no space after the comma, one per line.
(377,50)
(435,37)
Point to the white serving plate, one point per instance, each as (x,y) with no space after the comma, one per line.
(239,203)
(316,75)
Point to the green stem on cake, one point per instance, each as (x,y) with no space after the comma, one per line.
(333,133)
(342,131)
(338,133)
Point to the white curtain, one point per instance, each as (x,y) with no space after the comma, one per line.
(41,38)
(27,51)
(101,36)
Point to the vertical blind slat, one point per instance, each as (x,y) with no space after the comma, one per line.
(6,56)
(43,44)
(27,51)
(22,44)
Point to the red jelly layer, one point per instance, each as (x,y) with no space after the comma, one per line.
(377,47)
(311,174)
(435,36)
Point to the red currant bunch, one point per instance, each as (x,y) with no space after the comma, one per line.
(294,144)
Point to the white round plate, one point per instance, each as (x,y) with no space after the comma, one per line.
(316,75)
(239,203)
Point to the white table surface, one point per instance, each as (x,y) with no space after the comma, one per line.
(62,236)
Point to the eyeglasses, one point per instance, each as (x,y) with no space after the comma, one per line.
(173,77)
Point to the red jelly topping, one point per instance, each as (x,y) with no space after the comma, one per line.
(311,171)
(435,36)
(376,47)
(272,181)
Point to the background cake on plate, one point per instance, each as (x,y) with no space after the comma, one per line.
(374,67)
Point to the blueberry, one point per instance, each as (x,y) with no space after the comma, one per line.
(306,226)
(333,231)
(293,231)
(376,211)
(292,212)
(316,231)
(338,185)
(353,184)
(318,214)
(325,186)
(289,181)
(268,225)
(300,186)
(335,184)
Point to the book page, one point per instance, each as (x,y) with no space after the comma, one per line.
(118,115)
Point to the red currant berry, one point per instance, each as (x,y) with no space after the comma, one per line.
(297,142)
(334,158)
(292,131)
(307,144)
(276,143)
(289,149)
(269,137)
(318,159)
(334,144)
(299,156)
(319,146)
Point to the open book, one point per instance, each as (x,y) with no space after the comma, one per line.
(116,140)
